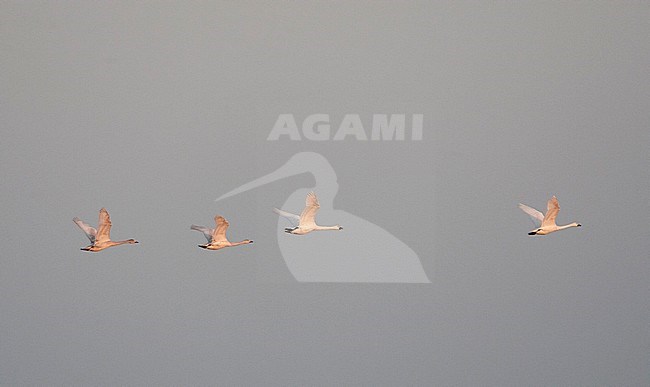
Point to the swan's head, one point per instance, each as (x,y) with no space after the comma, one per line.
(340,228)
(248,241)
(132,241)
(578,225)
(534,232)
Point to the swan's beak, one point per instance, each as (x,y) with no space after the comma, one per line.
(532,233)
(579,225)
(250,241)
(340,228)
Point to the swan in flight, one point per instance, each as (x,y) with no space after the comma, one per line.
(100,239)
(546,223)
(306,220)
(365,252)
(217,238)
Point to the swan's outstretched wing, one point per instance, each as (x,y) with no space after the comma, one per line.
(206,231)
(86,228)
(220,232)
(293,218)
(536,216)
(552,209)
(104,226)
(308,215)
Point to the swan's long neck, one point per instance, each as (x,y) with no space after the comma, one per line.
(244,242)
(129,241)
(328,228)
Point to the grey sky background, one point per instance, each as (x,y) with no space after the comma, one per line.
(154,109)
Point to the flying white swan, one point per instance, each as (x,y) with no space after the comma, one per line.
(217,237)
(546,223)
(365,252)
(100,239)
(306,220)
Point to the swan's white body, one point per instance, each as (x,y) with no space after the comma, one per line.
(217,237)
(100,239)
(365,252)
(307,218)
(546,223)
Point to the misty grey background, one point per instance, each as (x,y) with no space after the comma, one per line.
(155,109)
